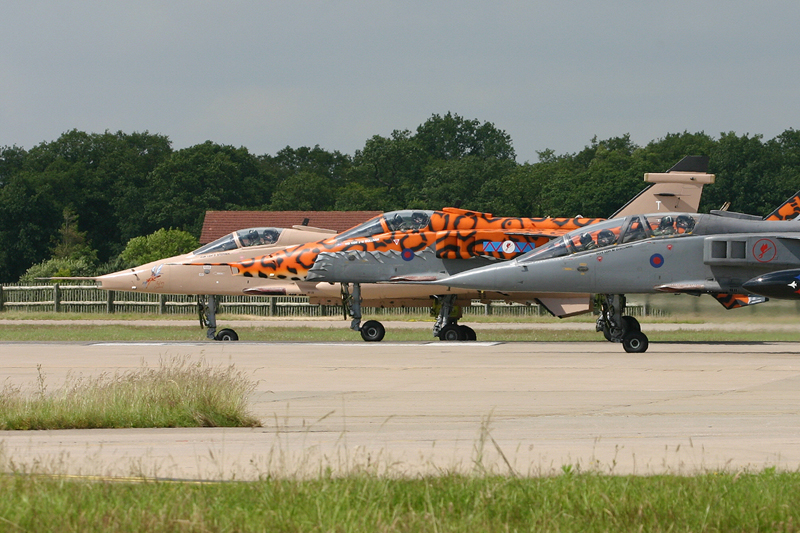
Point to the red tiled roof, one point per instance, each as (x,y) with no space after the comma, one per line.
(219,223)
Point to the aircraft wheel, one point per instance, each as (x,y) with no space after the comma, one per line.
(226,335)
(372,331)
(468,333)
(635,342)
(451,332)
(631,324)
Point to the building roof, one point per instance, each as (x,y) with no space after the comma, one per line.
(219,223)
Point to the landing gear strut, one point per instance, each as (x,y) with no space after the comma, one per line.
(371,330)
(207,312)
(619,328)
(447,327)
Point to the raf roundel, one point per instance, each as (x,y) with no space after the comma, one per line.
(656,260)
(407,254)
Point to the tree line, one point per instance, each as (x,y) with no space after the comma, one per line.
(94,192)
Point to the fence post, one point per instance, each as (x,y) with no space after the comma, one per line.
(110,302)
(57,298)
(2,300)
(273,306)
(162,304)
(488,309)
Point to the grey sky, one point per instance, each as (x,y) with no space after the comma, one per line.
(266,74)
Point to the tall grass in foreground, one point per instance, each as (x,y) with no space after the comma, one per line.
(178,393)
(765,501)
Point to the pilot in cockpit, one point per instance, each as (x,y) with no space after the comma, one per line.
(268,237)
(666,226)
(419,220)
(684,223)
(605,238)
(587,242)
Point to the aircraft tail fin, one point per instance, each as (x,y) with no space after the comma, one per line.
(788,210)
(677,189)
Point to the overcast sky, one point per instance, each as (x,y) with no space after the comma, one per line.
(270,74)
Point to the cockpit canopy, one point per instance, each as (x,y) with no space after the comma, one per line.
(612,232)
(242,239)
(405,220)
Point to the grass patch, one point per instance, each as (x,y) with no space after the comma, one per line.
(176,394)
(586,502)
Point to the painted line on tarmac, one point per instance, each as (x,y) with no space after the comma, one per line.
(348,344)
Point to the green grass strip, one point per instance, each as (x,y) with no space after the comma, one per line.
(585,502)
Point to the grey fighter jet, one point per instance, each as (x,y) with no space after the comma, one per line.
(738,259)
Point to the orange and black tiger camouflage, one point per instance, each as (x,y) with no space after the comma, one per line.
(788,210)
(452,233)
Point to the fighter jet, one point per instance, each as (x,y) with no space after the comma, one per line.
(420,245)
(736,258)
(174,276)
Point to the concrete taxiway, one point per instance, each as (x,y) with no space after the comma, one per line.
(426,408)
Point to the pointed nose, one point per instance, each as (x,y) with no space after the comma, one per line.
(489,278)
(124,280)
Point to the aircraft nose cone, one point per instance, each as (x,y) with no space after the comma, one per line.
(784,284)
(489,278)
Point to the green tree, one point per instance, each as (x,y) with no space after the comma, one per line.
(58,267)
(28,221)
(204,177)
(454,137)
(93,175)
(72,243)
(160,244)
(391,165)
(304,191)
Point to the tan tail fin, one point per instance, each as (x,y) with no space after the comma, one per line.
(677,189)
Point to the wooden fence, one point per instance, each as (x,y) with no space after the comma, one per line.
(64,298)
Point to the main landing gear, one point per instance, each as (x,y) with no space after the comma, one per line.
(207,311)
(371,330)
(446,327)
(619,328)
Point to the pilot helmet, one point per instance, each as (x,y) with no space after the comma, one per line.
(605,238)
(586,239)
(685,223)
(268,236)
(666,222)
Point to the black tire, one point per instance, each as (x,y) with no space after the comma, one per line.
(451,332)
(635,342)
(226,335)
(631,324)
(468,333)
(372,331)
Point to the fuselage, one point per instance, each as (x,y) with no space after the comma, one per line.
(715,254)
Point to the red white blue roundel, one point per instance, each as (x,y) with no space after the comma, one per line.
(407,254)
(656,260)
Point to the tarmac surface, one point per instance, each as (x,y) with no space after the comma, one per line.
(427,408)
